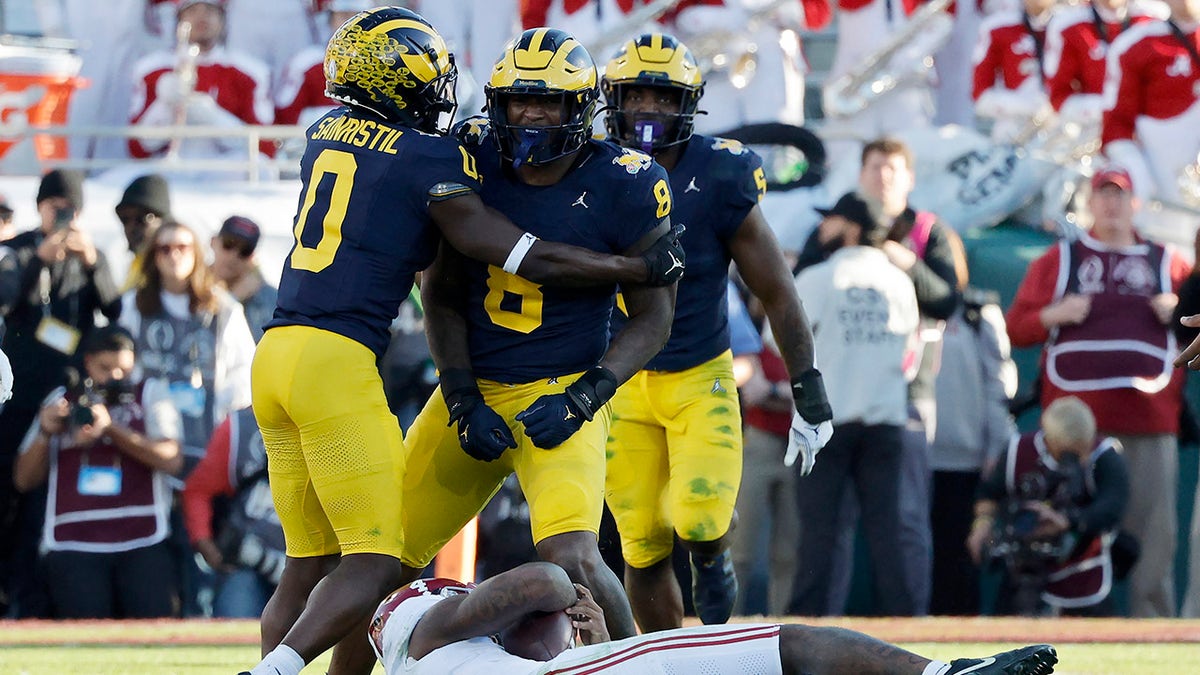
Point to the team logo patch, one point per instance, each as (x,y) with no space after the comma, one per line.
(729,145)
(633,161)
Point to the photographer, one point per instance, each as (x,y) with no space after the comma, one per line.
(1049,511)
(106,453)
(53,281)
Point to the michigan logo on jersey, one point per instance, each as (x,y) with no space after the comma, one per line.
(632,160)
(730,145)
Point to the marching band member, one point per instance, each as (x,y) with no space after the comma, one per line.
(1009,82)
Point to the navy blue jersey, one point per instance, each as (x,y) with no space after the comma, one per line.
(362,226)
(520,331)
(714,185)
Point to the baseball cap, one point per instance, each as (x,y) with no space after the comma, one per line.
(243,229)
(1112,175)
(854,208)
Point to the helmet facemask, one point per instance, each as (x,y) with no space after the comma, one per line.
(650,131)
(541,144)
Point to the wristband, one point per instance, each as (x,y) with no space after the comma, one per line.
(459,391)
(518,252)
(808,393)
(592,390)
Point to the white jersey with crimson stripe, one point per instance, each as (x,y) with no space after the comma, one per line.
(733,649)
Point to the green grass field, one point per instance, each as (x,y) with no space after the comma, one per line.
(224,648)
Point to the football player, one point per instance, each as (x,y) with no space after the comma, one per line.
(527,369)
(379,180)
(675,450)
(436,626)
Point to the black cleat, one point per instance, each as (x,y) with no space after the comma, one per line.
(1032,660)
(714,588)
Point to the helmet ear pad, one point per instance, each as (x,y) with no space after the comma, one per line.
(391,62)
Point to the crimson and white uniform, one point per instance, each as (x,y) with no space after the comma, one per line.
(300,95)
(774,91)
(1077,43)
(271,31)
(863,27)
(1151,121)
(231,90)
(1008,82)
(738,648)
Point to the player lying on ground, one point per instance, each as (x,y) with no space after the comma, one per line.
(443,626)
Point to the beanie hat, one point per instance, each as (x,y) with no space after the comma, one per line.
(149,192)
(62,183)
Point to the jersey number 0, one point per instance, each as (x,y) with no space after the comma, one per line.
(342,166)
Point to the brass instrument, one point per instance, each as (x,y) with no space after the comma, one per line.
(732,51)
(614,37)
(186,55)
(926,31)
(1189,184)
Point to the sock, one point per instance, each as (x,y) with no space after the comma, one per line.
(283,660)
(936,668)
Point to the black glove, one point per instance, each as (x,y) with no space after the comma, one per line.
(554,418)
(808,392)
(665,259)
(482,433)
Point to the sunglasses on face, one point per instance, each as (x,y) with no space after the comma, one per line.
(167,249)
(142,219)
(231,244)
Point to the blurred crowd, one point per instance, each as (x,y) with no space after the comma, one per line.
(133,477)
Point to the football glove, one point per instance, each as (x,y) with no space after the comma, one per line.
(665,259)
(482,433)
(811,425)
(805,440)
(554,418)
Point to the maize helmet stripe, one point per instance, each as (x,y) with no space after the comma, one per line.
(420,64)
(565,66)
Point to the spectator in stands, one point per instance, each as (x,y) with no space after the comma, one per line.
(247,549)
(236,270)
(1084,488)
(53,283)
(864,316)
(106,448)
(109,38)
(300,96)
(976,380)
(1077,44)
(273,31)
(1151,123)
(1101,306)
(145,204)
(192,337)
(1008,84)
(217,87)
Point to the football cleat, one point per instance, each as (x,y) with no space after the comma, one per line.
(1032,660)
(714,588)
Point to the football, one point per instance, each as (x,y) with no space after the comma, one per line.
(540,636)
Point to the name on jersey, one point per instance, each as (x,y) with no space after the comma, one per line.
(367,134)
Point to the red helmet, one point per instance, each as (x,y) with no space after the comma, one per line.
(421,587)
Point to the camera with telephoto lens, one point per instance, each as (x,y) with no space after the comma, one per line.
(85,393)
(1027,557)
